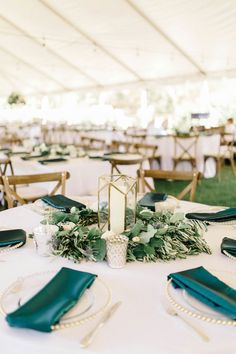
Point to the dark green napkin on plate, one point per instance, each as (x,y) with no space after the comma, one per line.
(221,216)
(35,155)
(19,152)
(12,237)
(229,245)
(56,298)
(208,289)
(151,198)
(96,157)
(56,159)
(31,157)
(61,202)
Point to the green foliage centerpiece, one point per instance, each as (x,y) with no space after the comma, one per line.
(154,236)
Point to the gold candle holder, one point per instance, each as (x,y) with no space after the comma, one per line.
(117,195)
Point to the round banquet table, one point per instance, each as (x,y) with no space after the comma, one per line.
(141,324)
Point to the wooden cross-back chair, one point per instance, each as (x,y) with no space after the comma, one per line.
(16,195)
(136,138)
(93,143)
(6,167)
(226,150)
(121,146)
(185,150)
(116,163)
(193,177)
(149,151)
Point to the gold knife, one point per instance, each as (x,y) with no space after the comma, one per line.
(88,338)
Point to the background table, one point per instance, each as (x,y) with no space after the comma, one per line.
(84,172)
(141,324)
(205,145)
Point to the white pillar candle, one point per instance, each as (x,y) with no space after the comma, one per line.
(117,209)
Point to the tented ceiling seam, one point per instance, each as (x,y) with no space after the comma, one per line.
(165,36)
(92,40)
(50,50)
(49,77)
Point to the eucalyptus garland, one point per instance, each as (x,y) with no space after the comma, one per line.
(155,236)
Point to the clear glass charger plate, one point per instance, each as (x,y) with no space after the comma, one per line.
(92,303)
(185,303)
(40,207)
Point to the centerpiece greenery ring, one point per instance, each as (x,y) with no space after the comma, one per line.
(155,236)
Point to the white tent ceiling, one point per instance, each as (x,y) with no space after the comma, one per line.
(65,45)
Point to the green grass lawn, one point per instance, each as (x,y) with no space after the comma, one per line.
(210,190)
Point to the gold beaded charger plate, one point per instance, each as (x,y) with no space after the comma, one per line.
(183,302)
(9,248)
(92,303)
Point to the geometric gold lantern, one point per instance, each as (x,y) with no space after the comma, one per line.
(117,195)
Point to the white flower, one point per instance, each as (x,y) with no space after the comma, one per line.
(43,147)
(73,210)
(136,239)
(108,234)
(68,226)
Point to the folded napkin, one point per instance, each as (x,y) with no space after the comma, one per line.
(56,159)
(96,157)
(229,245)
(151,198)
(12,237)
(221,216)
(31,157)
(19,152)
(114,152)
(61,202)
(207,288)
(56,298)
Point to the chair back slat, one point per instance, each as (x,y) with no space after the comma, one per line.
(193,177)
(11,182)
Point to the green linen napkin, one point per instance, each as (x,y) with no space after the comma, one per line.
(18,152)
(61,202)
(151,198)
(56,298)
(12,237)
(221,216)
(32,157)
(56,159)
(207,288)
(229,245)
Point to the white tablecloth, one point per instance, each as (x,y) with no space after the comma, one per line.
(84,172)
(140,325)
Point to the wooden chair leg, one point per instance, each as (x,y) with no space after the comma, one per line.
(232,164)
(204,165)
(218,168)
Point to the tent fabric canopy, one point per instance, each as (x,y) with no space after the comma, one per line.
(49,46)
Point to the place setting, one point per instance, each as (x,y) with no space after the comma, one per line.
(120,229)
(117,177)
